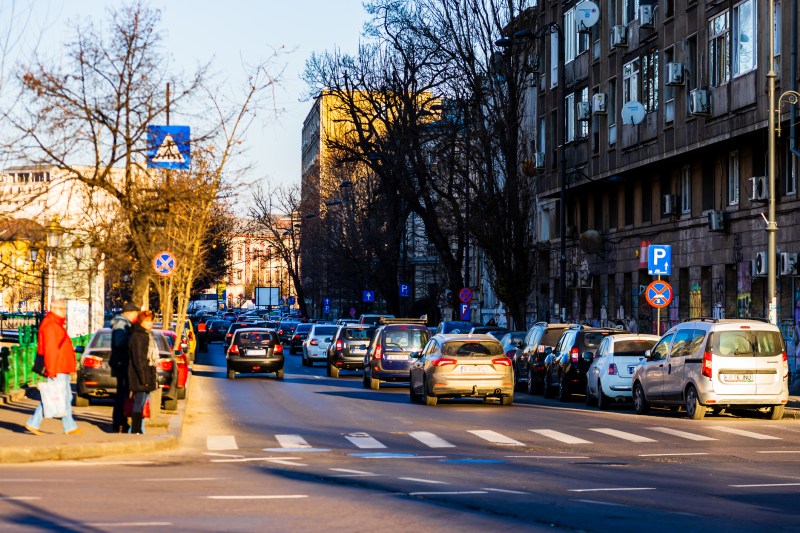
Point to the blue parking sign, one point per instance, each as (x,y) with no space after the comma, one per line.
(659,260)
(464,312)
(405,290)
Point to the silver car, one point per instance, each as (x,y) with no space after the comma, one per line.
(315,347)
(459,365)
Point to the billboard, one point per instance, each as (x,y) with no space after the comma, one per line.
(267,296)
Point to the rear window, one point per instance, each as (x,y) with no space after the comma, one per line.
(472,349)
(635,347)
(746,343)
(325,330)
(254,337)
(101,341)
(592,340)
(405,340)
(358,333)
(551,335)
(303,328)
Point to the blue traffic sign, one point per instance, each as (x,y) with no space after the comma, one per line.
(368,296)
(168,147)
(659,260)
(326,302)
(164,264)
(464,312)
(465,295)
(405,290)
(326,309)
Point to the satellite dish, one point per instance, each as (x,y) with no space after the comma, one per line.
(632,112)
(587,14)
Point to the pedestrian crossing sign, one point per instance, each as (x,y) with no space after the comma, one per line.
(168,147)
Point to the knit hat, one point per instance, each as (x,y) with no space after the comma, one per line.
(130,307)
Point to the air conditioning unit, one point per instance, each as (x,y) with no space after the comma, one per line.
(759,189)
(674,74)
(584,111)
(759,264)
(538,159)
(789,264)
(646,16)
(599,103)
(716,221)
(670,204)
(619,36)
(699,103)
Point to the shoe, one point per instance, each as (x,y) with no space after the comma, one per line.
(75,431)
(33,430)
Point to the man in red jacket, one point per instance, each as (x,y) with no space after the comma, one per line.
(59,362)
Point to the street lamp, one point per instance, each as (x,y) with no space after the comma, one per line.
(34,256)
(53,232)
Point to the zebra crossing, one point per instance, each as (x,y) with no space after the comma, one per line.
(538,437)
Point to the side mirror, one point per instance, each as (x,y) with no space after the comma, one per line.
(80,349)
(328,339)
(548,350)
(588,356)
(415,355)
(647,355)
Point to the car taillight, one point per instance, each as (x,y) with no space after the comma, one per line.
(785,365)
(201,328)
(612,369)
(706,364)
(90,361)
(233,349)
(573,355)
(444,361)
(276,349)
(280,332)
(164,364)
(296,337)
(377,353)
(502,361)
(313,342)
(339,345)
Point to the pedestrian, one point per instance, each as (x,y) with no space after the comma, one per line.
(142,375)
(55,346)
(120,335)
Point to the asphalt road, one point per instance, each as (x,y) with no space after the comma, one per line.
(312,453)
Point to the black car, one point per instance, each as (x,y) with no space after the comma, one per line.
(286,330)
(528,360)
(348,347)
(298,336)
(454,326)
(239,325)
(494,331)
(388,356)
(216,330)
(566,365)
(255,350)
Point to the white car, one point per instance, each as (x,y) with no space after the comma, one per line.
(315,347)
(610,376)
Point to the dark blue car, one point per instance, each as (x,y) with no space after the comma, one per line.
(388,355)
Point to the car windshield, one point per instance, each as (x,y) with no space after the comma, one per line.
(472,349)
(404,340)
(635,347)
(101,341)
(747,343)
(325,330)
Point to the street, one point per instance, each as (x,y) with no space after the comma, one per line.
(310,453)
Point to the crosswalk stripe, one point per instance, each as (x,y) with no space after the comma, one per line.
(363,440)
(623,435)
(494,437)
(292,441)
(429,439)
(743,433)
(221,442)
(561,437)
(682,434)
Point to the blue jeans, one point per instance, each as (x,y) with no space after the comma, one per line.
(139,399)
(67,421)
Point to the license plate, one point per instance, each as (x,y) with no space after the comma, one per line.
(358,352)
(468,369)
(256,352)
(396,357)
(738,378)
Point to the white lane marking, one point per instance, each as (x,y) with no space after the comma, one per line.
(220,443)
(287,462)
(767,485)
(260,497)
(105,463)
(561,437)
(623,435)
(743,433)
(363,441)
(682,434)
(505,491)
(292,441)
(170,479)
(222,454)
(494,437)
(779,451)
(393,456)
(595,502)
(670,454)
(296,450)
(130,524)
(447,493)
(19,498)
(354,472)
(547,457)
(418,480)
(430,440)
(251,459)
(612,489)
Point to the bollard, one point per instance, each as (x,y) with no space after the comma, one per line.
(5,353)
(13,366)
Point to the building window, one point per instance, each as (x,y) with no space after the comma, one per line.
(686,190)
(744,37)
(553,60)
(570,36)
(650,77)
(542,145)
(570,118)
(669,8)
(647,200)
(690,66)
(792,167)
(612,112)
(669,91)
(719,51)
(733,178)
(630,81)
(630,10)
(583,125)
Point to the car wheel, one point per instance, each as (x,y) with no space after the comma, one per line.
(429,400)
(507,400)
(333,371)
(603,401)
(590,401)
(640,404)
(181,393)
(374,383)
(170,404)
(775,412)
(564,394)
(231,374)
(547,388)
(365,379)
(81,401)
(694,410)
(413,396)
(279,374)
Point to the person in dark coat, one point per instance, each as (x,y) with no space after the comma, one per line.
(120,335)
(142,374)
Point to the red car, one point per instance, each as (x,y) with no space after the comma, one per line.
(181,359)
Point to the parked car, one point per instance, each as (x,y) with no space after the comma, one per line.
(188,331)
(494,331)
(457,366)
(216,330)
(181,361)
(715,364)
(566,366)
(388,356)
(609,378)
(254,350)
(316,344)
(348,347)
(510,341)
(454,326)
(299,335)
(529,367)
(372,319)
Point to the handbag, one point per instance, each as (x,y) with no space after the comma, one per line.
(128,408)
(38,365)
(54,398)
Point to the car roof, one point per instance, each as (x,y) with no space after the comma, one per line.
(632,336)
(448,337)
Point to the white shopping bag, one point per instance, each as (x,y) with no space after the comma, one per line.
(54,398)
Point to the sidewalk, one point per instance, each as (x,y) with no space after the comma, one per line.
(17,445)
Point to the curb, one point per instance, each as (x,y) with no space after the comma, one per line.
(13,396)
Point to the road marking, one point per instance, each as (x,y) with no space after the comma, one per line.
(363,440)
(170,479)
(447,493)
(418,480)
(505,491)
(744,433)
(682,434)
(19,498)
(494,437)
(561,437)
(780,451)
(547,456)
(612,489)
(767,485)
(429,439)
(105,463)
(292,441)
(595,502)
(669,454)
(220,443)
(287,462)
(222,454)
(260,497)
(252,459)
(354,472)
(129,524)
(623,435)
(395,456)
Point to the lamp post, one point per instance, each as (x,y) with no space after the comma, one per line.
(34,256)
(772,226)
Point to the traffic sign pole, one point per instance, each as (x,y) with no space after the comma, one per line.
(658,316)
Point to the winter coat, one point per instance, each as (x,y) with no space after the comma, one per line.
(55,345)
(120,335)
(142,376)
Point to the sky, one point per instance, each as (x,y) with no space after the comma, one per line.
(230,33)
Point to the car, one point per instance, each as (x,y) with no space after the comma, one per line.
(454,326)
(343,321)
(529,367)
(372,319)
(717,364)
(610,376)
(298,336)
(181,361)
(286,329)
(459,365)
(494,331)
(216,330)
(388,356)
(230,316)
(239,325)
(510,341)
(566,366)
(348,347)
(316,344)
(188,331)
(254,349)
